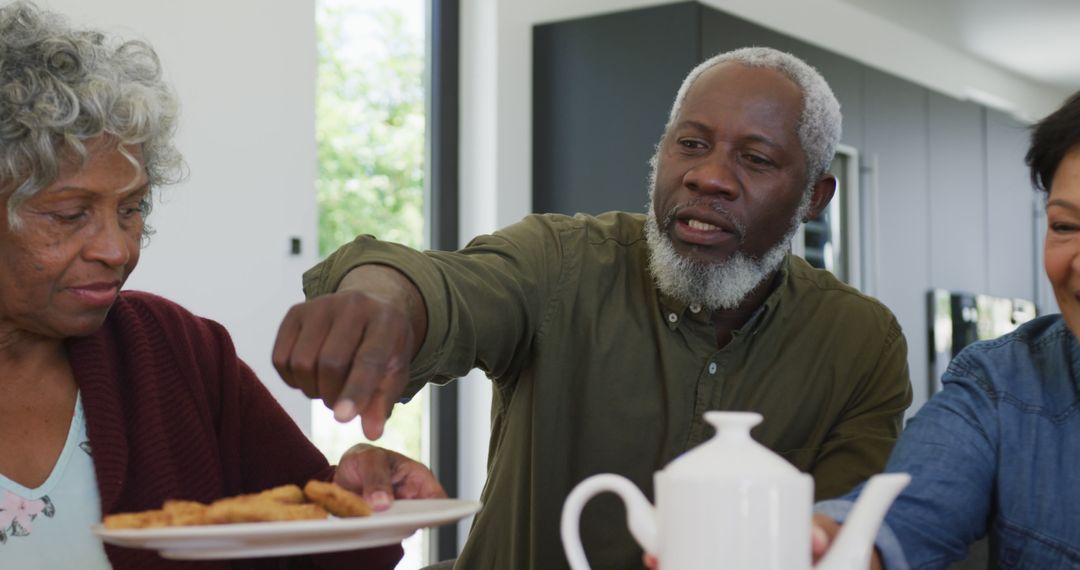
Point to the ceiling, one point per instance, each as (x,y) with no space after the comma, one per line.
(1037,39)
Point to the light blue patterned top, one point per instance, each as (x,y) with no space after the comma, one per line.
(49,527)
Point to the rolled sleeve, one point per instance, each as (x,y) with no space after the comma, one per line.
(485,303)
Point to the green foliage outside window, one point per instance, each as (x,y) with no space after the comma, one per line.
(370,130)
(369,124)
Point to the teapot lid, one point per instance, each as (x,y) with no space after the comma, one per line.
(731,452)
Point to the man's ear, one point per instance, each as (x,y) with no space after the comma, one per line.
(821,195)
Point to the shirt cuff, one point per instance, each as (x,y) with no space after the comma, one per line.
(416,266)
(888,546)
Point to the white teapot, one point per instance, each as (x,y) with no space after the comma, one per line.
(733,504)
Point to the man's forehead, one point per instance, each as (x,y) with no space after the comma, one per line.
(736,76)
(750,90)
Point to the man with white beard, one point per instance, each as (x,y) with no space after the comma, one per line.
(607,337)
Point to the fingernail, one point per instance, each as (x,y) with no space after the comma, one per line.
(344,411)
(380,500)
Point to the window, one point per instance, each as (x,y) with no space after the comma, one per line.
(370,129)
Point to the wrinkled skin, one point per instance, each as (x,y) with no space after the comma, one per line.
(79,239)
(381,475)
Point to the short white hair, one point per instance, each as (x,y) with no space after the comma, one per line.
(819,123)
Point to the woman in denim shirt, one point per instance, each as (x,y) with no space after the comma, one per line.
(995,452)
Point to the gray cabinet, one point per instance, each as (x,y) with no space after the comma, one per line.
(957,184)
(722,32)
(1011,238)
(894,151)
(601,94)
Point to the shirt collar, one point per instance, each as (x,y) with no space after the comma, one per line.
(674,311)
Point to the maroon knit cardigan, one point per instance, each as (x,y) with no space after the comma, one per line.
(173,413)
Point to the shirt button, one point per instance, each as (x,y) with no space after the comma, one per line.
(672,317)
(695,308)
(712,368)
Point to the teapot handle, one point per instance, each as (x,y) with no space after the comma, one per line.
(640,516)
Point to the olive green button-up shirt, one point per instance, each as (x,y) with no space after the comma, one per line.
(596,371)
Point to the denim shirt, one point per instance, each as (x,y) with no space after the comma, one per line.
(995,452)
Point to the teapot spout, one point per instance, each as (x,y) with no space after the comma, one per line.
(851,549)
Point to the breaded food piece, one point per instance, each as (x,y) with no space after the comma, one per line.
(260,510)
(287,494)
(338,501)
(284,494)
(185,513)
(144,519)
(284,503)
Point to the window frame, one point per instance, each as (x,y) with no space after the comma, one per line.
(442,216)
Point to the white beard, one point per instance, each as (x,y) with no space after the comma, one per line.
(722,285)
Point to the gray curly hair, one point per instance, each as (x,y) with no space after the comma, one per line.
(819,124)
(60,87)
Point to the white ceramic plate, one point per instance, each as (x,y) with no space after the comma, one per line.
(250,540)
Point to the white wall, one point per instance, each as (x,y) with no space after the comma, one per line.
(245,74)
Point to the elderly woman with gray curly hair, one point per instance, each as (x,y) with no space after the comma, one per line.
(115,401)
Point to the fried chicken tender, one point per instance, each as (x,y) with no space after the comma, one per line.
(232,511)
(285,494)
(185,513)
(338,501)
(172,513)
(284,503)
(145,519)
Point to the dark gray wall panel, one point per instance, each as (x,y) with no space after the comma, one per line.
(1011,239)
(722,32)
(957,195)
(602,89)
(896,134)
